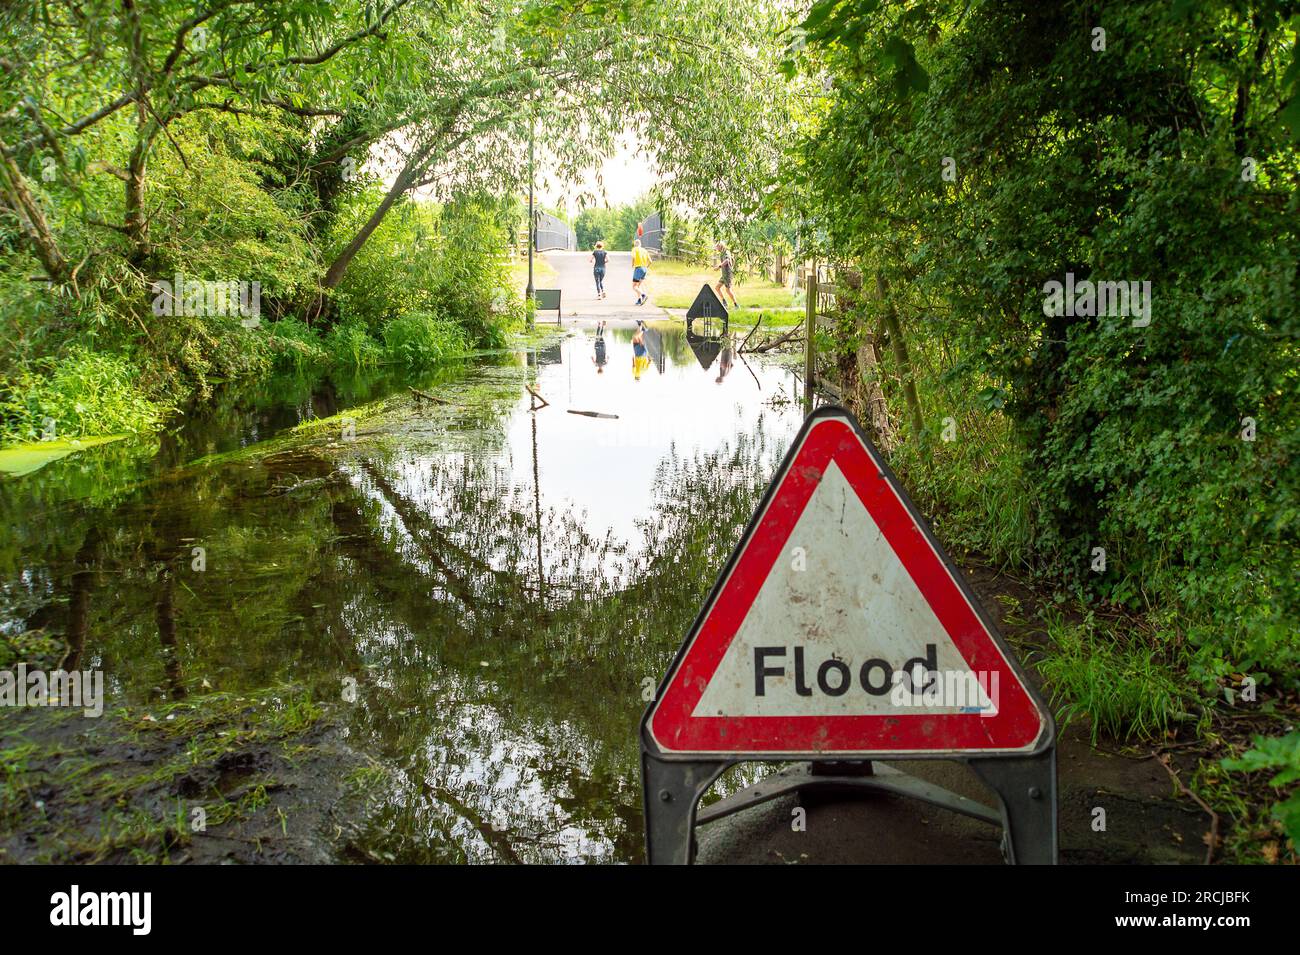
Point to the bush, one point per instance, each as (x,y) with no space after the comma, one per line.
(471,285)
(82,393)
(1171,443)
(218,221)
(1280,754)
(294,344)
(349,343)
(1118,683)
(392,273)
(420,340)
(447,261)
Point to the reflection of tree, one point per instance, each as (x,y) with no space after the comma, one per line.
(566,669)
(507,713)
(79,597)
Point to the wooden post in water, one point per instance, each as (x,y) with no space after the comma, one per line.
(810,329)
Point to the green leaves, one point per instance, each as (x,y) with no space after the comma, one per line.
(22,459)
(1280,753)
(908,74)
(1289,113)
(849,24)
(1277,752)
(972,153)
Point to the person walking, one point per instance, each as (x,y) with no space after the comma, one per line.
(597,258)
(640,265)
(728,265)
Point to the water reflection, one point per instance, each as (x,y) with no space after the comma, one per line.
(501,589)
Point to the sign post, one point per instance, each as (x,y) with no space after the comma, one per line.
(840,631)
(707,306)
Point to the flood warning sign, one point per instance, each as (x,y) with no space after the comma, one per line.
(840,627)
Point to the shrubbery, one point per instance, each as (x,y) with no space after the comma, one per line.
(973,161)
(82,393)
(430,284)
(441,269)
(422,339)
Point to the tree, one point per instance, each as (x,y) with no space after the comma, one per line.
(966,156)
(129,72)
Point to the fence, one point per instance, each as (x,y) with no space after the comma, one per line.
(552,233)
(863,386)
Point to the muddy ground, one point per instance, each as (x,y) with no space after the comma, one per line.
(275,781)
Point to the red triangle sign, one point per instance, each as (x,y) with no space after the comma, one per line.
(840,627)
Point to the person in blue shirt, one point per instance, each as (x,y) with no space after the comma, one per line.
(598,259)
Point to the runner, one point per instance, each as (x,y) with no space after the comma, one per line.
(640,263)
(640,360)
(724,360)
(727,264)
(597,259)
(599,360)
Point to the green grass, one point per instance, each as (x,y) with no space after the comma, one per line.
(1117,680)
(544,274)
(209,728)
(20,459)
(675,284)
(423,339)
(773,319)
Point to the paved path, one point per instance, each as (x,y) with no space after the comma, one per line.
(578,289)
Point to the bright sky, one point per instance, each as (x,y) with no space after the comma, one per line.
(626,176)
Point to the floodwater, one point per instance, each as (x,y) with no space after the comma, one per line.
(501,587)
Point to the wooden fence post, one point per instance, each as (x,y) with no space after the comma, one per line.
(810,329)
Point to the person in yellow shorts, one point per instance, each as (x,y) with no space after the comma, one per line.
(640,263)
(640,358)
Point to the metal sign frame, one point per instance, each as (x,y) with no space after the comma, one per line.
(704,304)
(1023,782)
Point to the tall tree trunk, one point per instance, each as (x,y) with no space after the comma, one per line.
(79,599)
(166,616)
(871,398)
(136,219)
(18,197)
(898,343)
(1241,108)
(411,172)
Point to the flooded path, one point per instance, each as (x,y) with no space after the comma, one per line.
(497,584)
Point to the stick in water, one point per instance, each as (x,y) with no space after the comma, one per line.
(594,414)
(543,401)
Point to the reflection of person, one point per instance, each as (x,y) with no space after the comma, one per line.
(597,259)
(640,360)
(727,264)
(724,361)
(599,359)
(640,263)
